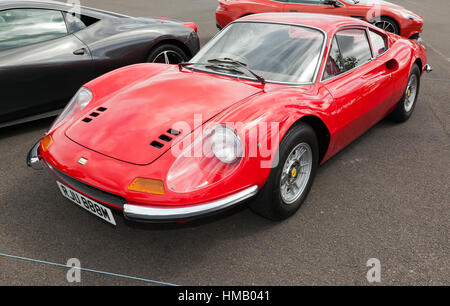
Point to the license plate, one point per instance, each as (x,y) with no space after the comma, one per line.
(90,205)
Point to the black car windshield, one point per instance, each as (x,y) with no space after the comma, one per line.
(276,52)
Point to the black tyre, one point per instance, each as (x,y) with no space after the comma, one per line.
(387,24)
(407,103)
(290,180)
(167,54)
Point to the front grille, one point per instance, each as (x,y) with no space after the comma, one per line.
(90,191)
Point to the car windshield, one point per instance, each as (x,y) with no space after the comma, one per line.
(276,52)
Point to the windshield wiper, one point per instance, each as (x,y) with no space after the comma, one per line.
(226,60)
(230,61)
(226,64)
(212,66)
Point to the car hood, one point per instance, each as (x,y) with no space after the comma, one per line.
(139,114)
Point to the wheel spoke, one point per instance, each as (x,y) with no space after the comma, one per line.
(299,153)
(166,58)
(292,185)
(304,163)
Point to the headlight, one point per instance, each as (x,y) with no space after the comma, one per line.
(226,144)
(411,17)
(78,102)
(210,159)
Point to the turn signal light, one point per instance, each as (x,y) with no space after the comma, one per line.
(147,186)
(46,142)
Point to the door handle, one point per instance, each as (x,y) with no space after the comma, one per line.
(81,51)
(293,11)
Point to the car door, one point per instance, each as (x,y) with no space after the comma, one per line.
(41,64)
(315,6)
(359,84)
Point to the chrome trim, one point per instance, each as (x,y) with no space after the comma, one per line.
(143,213)
(33,159)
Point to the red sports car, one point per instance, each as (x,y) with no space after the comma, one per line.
(385,15)
(254,113)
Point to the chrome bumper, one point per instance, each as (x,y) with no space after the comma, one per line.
(33,159)
(155,214)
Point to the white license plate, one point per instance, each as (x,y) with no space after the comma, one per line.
(86,203)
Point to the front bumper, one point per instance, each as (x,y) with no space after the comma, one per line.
(33,159)
(145,213)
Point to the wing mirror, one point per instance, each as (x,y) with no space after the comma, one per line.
(335,3)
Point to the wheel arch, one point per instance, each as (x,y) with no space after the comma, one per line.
(170,41)
(321,130)
(419,63)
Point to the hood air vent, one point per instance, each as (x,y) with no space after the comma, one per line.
(165,138)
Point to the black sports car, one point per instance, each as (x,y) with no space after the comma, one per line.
(47,52)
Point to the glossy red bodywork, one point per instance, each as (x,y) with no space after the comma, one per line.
(143,101)
(230,10)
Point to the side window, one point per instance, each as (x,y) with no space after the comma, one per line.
(21,27)
(76,23)
(334,64)
(355,48)
(349,50)
(379,44)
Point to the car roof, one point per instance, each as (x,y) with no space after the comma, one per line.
(33,2)
(327,23)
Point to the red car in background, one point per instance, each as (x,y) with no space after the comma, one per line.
(385,15)
(254,113)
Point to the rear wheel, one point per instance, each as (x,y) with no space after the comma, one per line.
(407,103)
(387,24)
(290,181)
(167,54)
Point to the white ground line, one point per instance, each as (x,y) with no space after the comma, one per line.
(87,270)
(438,52)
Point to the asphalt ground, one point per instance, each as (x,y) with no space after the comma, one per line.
(385,196)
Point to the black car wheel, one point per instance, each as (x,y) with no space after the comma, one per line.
(387,24)
(167,54)
(407,103)
(289,182)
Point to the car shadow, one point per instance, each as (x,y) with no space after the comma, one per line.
(27,127)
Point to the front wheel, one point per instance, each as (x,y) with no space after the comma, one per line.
(291,179)
(387,24)
(167,54)
(407,103)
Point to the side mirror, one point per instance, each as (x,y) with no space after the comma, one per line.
(335,3)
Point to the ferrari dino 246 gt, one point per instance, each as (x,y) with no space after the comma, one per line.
(176,142)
